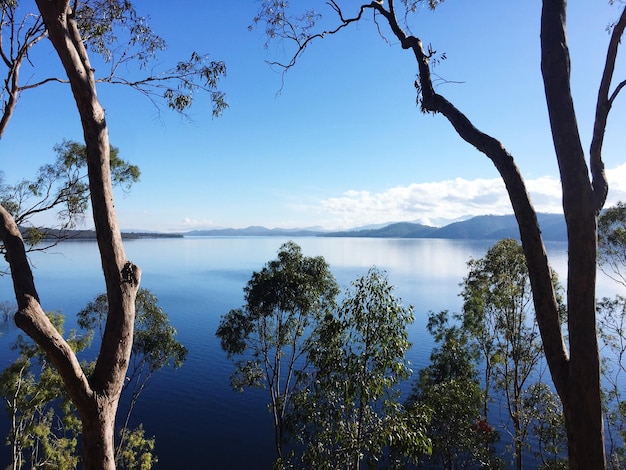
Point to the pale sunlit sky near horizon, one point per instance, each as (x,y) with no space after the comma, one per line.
(343,144)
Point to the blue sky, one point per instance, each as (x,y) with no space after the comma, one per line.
(343,144)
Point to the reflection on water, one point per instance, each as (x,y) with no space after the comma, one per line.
(197,419)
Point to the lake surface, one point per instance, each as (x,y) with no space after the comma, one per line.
(198,421)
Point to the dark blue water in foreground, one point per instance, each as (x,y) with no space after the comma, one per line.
(198,421)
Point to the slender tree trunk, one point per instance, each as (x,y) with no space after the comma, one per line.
(95,398)
(582,399)
(518,445)
(11,101)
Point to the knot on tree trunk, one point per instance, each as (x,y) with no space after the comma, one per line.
(131,273)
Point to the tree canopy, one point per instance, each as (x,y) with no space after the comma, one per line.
(127,45)
(61,187)
(575,366)
(612,242)
(76,29)
(348,413)
(45,429)
(269,333)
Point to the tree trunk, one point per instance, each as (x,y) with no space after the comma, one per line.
(582,399)
(98,436)
(577,377)
(95,398)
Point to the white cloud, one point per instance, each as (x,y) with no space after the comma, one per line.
(435,203)
(189,223)
(617,185)
(440,202)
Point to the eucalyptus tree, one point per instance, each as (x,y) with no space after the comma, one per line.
(496,312)
(612,328)
(268,335)
(45,429)
(545,415)
(155,347)
(74,32)
(461,435)
(122,38)
(61,187)
(612,242)
(349,412)
(575,367)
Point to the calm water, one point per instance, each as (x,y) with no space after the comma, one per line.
(198,421)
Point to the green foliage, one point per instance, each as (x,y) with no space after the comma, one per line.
(496,331)
(180,98)
(498,313)
(8,4)
(455,357)
(154,338)
(33,393)
(127,44)
(413,5)
(154,347)
(449,387)
(612,242)
(62,187)
(349,411)
(548,426)
(284,300)
(138,452)
(107,24)
(279,25)
(45,426)
(102,21)
(234,331)
(611,318)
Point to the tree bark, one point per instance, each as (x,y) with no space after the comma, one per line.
(95,398)
(582,401)
(576,376)
(98,434)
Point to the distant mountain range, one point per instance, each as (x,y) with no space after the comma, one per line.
(484,227)
(254,231)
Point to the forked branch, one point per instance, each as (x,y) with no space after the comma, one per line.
(603,107)
(280,25)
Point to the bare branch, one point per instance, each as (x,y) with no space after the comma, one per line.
(43,82)
(21,39)
(99,23)
(603,107)
(279,25)
(618,88)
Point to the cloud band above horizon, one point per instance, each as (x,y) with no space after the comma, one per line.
(441,202)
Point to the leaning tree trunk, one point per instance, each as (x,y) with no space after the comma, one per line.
(576,376)
(95,398)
